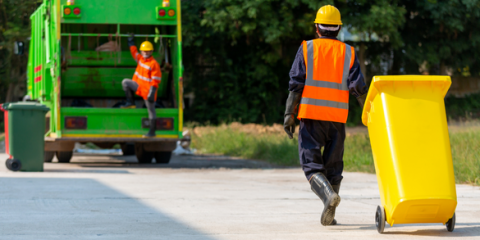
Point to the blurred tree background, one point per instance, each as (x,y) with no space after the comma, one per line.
(238,53)
(14,26)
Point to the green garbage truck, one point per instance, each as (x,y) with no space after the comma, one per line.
(78,57)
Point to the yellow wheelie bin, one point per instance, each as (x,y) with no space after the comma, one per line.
(407,124)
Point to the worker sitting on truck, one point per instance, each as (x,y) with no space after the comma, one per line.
(145,81)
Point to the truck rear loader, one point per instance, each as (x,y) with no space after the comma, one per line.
(78,57)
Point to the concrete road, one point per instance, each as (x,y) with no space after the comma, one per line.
(197,197)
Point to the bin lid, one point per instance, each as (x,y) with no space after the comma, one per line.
(376,80)
(26,106)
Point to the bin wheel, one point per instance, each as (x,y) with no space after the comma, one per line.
(48,156)
(64,157)
(380,219)
(163,157)
(142,155)
(13,164)
(451,223)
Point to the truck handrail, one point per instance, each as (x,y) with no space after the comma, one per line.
(114,34)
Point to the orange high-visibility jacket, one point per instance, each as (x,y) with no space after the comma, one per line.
(147,74)
(325,95)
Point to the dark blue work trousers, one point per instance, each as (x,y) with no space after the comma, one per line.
(312,137)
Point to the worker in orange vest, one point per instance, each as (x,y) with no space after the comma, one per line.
(323,74)
(145,81)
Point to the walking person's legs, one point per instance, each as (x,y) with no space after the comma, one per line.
(313,135)
(333,153)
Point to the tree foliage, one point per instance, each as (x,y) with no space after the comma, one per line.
(442,35)
(14,26)
(239,53)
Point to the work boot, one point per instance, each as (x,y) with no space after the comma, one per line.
(130,102)
(329,197)
(336,188)
(153,128)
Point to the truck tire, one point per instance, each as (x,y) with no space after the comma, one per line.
(64,157)
(163,157)
(48,156)
(142,155)
(128,149)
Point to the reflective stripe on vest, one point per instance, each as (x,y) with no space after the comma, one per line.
(326,99)
(324,103)
(142,77)
(145,66)
(136,57)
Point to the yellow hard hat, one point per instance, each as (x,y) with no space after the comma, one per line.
(146,46)
(328,15)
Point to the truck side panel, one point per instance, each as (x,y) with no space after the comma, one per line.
(43,60)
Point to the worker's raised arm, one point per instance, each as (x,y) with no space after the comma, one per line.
(133,48)
(156,75)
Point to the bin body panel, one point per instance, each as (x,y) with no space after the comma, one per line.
(26,132)
(408,130)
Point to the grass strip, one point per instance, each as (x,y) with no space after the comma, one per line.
(276,148)
(269,147)
(466,156)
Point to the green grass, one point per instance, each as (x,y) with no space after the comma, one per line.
(276,148)
(358,154)
(273,148)
(466,156)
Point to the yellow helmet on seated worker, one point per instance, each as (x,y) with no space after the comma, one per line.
(328,15)
(146,46)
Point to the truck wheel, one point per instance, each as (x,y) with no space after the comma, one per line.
(13,164)
(128,149)
(142,155)
(163,157)
(48,156)
(64,157)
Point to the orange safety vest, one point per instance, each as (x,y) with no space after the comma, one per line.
(147,74)
(325,95)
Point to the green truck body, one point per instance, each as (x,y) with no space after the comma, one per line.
(78,57)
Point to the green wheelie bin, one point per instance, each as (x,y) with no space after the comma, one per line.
(24,135)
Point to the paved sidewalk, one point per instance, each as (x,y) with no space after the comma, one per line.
(197,197)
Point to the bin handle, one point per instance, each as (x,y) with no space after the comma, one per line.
(1,108)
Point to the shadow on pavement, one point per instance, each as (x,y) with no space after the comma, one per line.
(87,171)
(190,161)
(361,226)
(461,230)
(76,208)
